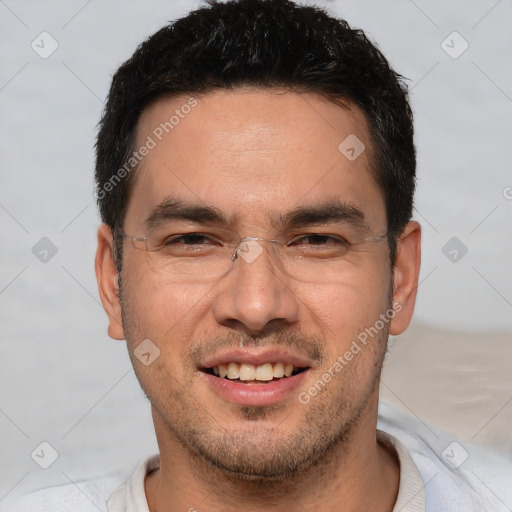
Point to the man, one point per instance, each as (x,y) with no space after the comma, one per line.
(250,248)
(255,176)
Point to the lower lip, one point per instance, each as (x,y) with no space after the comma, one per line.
(272,392)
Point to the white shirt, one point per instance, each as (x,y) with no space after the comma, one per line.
(437,474)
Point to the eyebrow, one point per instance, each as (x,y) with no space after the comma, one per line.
(174,209)
(329,211)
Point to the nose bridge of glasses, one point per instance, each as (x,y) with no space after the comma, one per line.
(250,248)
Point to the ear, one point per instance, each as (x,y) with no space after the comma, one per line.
(405,277)
(108,284)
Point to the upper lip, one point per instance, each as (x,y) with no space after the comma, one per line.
(257,357)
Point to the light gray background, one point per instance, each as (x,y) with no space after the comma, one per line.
(62,380)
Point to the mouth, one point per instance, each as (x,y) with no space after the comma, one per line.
(256,377)
(247,373)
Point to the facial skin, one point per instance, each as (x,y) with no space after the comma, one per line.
(254,154)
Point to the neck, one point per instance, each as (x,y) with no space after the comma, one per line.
(357,474)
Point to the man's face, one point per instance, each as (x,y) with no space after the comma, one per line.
(254,156)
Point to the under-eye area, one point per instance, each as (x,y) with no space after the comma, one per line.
(249,373)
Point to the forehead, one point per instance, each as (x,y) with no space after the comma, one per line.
(253,153)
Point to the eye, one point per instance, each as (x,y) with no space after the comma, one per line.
(187,239)
(186,244)
(318,239)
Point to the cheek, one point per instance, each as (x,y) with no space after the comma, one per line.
(347,314)
(350,305)
(166,314)
(161,310)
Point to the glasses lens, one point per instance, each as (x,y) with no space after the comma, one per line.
(187,254)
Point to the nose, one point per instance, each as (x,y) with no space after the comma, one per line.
(255,292)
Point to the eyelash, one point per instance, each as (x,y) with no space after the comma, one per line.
(173,239)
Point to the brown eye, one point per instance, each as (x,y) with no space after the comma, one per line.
(187,239)
(320,239)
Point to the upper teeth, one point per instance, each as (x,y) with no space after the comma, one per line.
(246,371)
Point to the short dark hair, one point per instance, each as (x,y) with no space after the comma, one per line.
(261,43)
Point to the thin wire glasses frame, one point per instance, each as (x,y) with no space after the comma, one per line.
(197,260)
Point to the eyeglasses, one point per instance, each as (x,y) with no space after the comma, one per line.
(309,257)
